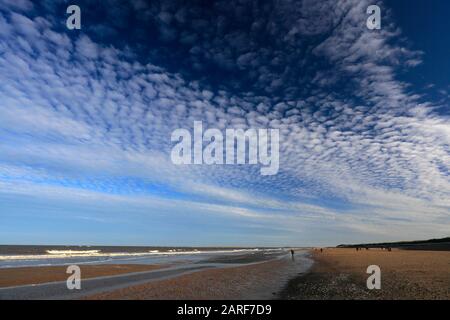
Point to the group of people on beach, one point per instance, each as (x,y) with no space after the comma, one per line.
(367,248)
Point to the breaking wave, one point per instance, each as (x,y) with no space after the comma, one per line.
(61,254)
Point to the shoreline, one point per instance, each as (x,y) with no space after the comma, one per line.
(258,280)
(244,277)
(334,274)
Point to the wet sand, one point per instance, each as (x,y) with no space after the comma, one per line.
(263,280)
(33,275)
(405,274)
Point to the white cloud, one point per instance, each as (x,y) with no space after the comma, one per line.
(73,106)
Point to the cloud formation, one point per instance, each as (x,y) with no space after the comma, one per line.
(87,116)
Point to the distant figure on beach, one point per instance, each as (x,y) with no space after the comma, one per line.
(292,254)
(321,250)
(389,249)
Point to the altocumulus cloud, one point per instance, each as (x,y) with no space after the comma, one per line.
(86,117)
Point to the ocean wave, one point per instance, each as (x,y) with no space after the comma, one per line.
(61,254)
(72,252)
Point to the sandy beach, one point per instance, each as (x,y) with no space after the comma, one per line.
(337,273)
(262,280)
(405,274)
(33,275)
(253,275)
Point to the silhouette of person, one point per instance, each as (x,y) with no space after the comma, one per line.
(292,254)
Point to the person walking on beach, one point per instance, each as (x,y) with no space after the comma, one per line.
(292,254)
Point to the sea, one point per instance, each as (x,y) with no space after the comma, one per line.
(12,256)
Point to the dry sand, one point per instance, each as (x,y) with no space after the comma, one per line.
(256,281)
(405,274)
(33,275)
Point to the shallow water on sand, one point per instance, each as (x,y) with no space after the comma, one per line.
(271,288)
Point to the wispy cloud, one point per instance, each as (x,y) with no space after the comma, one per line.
(87,118)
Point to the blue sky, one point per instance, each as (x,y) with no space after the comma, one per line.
(86,117)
